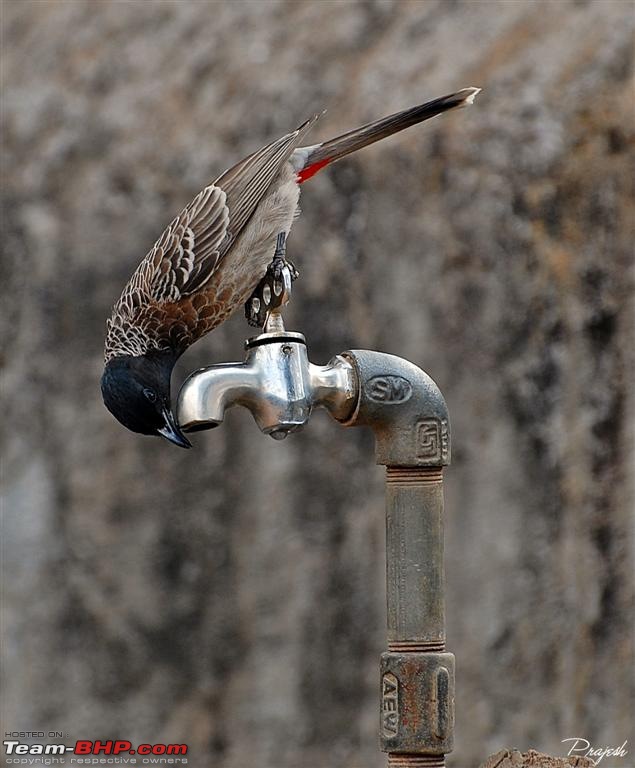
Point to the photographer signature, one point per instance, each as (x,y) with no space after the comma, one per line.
(596,754)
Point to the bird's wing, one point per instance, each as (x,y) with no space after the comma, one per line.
(190,250)
(185,255)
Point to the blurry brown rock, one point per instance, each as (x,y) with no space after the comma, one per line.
(512,758)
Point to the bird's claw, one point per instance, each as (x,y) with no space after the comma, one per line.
(277,267)
(274,290)
(279,261)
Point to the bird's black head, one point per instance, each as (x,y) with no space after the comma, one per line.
(136,390)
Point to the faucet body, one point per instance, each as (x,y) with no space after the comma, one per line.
(276,382)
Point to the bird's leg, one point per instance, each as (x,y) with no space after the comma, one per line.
(274,290)
(279,260)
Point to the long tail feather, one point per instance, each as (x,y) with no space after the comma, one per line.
(312,159)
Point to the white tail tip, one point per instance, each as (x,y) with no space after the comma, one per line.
(470,94)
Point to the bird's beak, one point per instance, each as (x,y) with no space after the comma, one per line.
(172,432)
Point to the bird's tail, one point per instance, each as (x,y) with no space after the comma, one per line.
(309,160)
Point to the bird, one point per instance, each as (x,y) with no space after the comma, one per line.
(211,257)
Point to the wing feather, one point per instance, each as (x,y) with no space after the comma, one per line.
(247,181)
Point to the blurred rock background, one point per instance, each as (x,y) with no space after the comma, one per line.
(232,596)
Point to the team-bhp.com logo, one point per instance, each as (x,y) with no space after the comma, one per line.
(111,752)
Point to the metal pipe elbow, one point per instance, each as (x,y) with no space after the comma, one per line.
(404,408)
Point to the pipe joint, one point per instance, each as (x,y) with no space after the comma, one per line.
(417,703)
(404,408)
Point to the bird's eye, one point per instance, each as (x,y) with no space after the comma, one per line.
(150,394)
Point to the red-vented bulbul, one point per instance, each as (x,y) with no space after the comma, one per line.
(209,260)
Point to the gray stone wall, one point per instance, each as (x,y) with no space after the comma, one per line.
(232,596)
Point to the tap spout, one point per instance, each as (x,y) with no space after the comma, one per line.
(208,392)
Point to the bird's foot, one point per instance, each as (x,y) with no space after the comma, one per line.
(274,290)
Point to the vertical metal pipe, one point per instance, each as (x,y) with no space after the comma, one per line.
(414,559)
(409,417)
(415,761)
(415,661)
